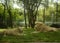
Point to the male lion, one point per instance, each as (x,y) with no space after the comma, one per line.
(43,28)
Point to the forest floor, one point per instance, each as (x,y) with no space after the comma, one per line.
(30,36)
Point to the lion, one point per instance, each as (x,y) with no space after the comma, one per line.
(43,28)
(15,32)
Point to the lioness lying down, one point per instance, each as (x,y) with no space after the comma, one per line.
(43,28)
(16,31)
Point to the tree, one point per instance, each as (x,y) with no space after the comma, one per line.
(31,6)
(45,5)
(8,7)
(1,15)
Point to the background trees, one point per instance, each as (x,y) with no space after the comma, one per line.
(32,7)
(29,10)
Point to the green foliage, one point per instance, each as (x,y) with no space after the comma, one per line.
(1,9)
(21,18)
(48,13)
(31,8)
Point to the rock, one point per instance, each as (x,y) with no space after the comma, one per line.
(55,25)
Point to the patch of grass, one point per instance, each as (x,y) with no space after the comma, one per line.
(33,37)
(28,30)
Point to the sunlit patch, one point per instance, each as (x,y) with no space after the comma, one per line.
(0,1)
(16,6)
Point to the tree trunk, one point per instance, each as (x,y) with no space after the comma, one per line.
(32,18)
(10,19)
(25,17)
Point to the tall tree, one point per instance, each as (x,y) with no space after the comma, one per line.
(57,11)
(31,6)
(45,5)
(8,7)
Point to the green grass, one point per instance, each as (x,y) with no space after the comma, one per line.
(34,37)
